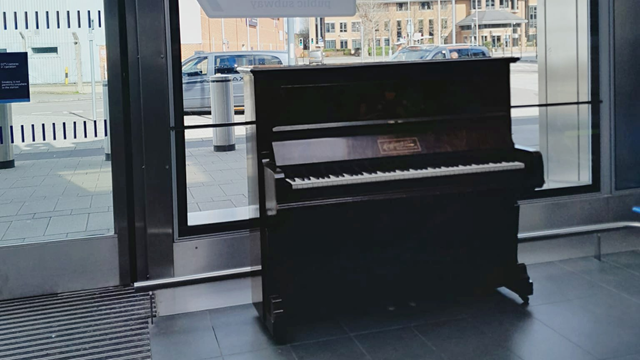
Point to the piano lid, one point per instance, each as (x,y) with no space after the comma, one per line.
(295,98)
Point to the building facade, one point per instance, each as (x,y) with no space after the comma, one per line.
(396,23)
(55,34)
(200,33)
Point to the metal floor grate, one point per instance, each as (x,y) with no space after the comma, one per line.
(98,324)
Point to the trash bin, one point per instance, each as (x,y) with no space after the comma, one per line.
(224,139)
(107,124)
(6,147)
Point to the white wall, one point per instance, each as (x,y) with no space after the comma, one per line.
(50,68)
(190,22)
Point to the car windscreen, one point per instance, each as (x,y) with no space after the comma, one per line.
(408,55)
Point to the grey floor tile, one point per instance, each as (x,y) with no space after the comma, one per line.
(3,228)
(607,325)
(235,189)
(529,338)
(11,209)
(629,260)
(26,229)
(42,206)
(52,213)
(398,344)
(205,192)
(382,318)
(314,331)
(334,349)
(631,357)
(184,337)
(67,224)
(101,201)
(607,275)
(239,330)
(280,353)
(80,202)
(554,283)
(462,340)
(13,194)
(216,205)
(100,221)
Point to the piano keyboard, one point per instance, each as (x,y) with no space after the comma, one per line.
(379,176)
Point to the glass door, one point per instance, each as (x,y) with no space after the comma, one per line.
(57,229)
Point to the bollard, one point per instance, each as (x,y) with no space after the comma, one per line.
(224,139)
(6,147)
(107,122)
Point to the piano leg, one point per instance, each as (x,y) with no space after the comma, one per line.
(521,283)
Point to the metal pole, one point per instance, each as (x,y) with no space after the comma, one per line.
(107,120)
(439,25)
(362,41)
(258,31)
(248,37)
(477,25)
(78,47)
(224,38)
(6,147)
(291,35)
(453,20)
(93,73)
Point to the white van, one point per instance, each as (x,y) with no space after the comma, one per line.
(197,70)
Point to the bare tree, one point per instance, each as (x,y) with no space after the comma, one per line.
(372,13)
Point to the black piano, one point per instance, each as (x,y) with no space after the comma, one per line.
(383,183)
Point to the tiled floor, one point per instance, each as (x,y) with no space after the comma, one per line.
(582,309)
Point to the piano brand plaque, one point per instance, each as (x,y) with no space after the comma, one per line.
(399,146)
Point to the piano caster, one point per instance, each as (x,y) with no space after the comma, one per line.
(521,284)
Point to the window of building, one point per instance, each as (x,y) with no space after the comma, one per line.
(445,24)
(3,50)
(514,5)
(387,42)
(99,18)
(378,43)
(431,27)
(47,19)
(89,18)
(26,20)
(476,4)
(421,26)
(45,50)
(504,4)
(330,28)
(58,19)
(402,7)
(356,44)
(387,25)
(4,20)
(37,21)
(399,29)
(355,26)
(15,20)
(79,20)
(533,16)
(426,5)
(445,5)
(344,44)
(330,44)
(490,4)
(68,20)
(343,27)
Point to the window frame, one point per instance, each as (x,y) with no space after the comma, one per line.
(346,27)
(402,7)
(330,25)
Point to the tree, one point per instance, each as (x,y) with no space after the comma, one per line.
(372,13)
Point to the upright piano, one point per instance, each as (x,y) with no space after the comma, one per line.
(382,183)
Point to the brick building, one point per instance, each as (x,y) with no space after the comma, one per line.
(200,33)
(503,22)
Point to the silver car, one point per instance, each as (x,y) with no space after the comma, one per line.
(441,52)
(316,57)
(197,70)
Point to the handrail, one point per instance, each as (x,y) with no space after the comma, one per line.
(153,285)
(579,230)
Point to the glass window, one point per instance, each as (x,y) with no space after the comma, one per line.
(445,24)
(330,44)
(440,55)
(344,44)
(196,67)
(387,25)
(387,42)
(267,60)
(45,50)
(476,4)
(229,64)
(490,4)
(426,5)
(356,44)
(355,26)
(477,53)
(399,29)
(343,27)
(504,4)
(533,16)
(431,26)
(402,7)
(330,28)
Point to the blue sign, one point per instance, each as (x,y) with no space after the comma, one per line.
(14,78)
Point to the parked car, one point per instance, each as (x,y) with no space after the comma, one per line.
(316,57)
(197,70)
(435,52)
